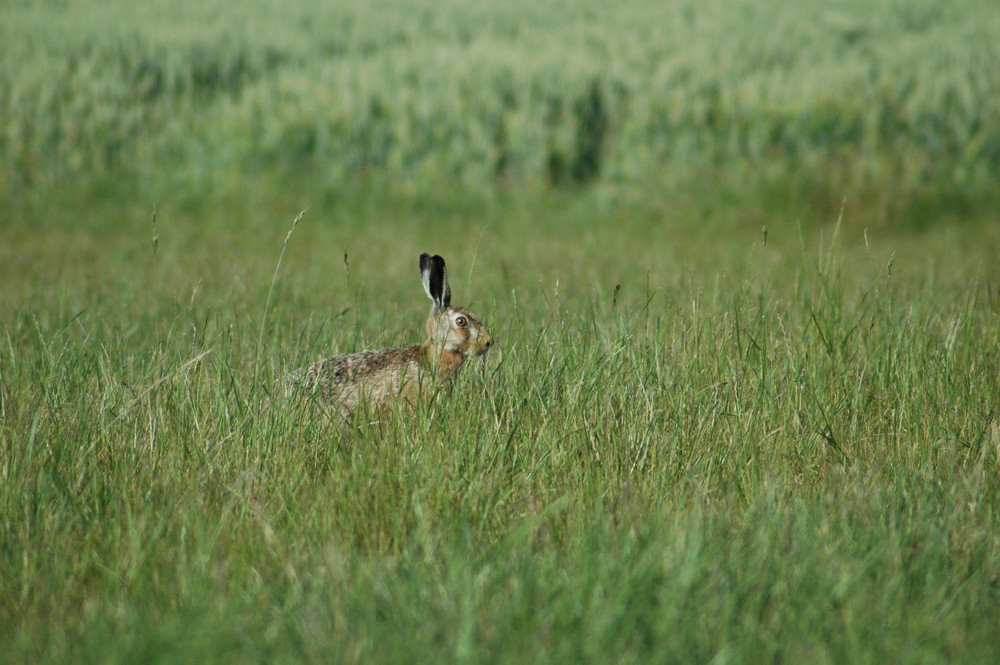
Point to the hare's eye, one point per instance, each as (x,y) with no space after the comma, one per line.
(461,322)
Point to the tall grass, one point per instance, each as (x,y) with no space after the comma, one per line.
(688,446)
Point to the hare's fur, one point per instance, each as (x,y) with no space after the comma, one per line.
(403,373)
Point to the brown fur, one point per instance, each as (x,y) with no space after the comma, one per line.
(404,373)
(342,382)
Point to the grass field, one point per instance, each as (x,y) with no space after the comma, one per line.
(744,407)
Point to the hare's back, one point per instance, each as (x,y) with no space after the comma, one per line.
(373,375)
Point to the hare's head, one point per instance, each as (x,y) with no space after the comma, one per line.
(453,330)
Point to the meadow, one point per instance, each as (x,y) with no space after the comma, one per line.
(740,259)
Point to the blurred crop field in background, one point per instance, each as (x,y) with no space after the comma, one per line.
(740,258)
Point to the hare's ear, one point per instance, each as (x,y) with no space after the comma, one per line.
(435,276)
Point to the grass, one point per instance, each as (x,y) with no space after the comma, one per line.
(782,450)
(744,406)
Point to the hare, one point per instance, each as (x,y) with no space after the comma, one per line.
(378,377)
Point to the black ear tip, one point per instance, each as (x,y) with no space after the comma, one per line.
(427,262)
